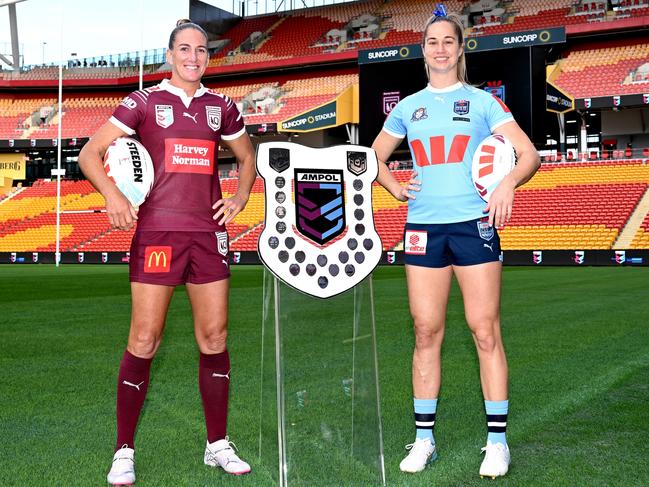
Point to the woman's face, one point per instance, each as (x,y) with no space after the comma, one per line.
(189,57)
(441,48)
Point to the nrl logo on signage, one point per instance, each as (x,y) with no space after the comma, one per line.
(319,234)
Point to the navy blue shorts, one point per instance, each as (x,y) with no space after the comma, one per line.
(443,244)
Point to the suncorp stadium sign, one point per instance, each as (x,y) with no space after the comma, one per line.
(516,39)
(412,51)
(316,119)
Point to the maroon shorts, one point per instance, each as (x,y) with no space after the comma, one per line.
(173,258)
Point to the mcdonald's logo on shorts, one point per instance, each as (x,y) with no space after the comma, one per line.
(157,259)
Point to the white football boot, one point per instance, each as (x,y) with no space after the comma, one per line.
(422,452)
(496,460)
(122,472)
(221,454)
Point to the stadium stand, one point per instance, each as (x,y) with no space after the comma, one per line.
(602,69)
(84,114)
(566,205)
(20,115)
(576,205)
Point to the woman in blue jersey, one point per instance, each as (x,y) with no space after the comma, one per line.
(451,231)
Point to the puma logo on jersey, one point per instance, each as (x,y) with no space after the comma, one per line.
(227,376)
(489,246)
(193,117)
(137,386)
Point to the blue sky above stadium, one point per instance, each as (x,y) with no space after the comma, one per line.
(49,30)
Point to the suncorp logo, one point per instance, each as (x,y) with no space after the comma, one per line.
(383,54)
(559,101)
(294,123)
(520,38)
(310,120)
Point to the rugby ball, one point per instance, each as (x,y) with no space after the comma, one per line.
(128,164)
(494,158)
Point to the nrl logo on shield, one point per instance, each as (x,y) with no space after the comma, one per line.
(319,234)
(213,117)
(356,162)
(164,115)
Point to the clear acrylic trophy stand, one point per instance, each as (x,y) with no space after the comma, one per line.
(320,420)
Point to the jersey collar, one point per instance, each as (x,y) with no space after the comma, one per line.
(180,93)
(448,89)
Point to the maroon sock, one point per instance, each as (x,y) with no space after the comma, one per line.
(132,384)
(214,384)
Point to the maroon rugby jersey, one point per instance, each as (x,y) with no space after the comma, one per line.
(182,135)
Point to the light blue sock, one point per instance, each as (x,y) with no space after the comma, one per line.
(497,420)
(425,410)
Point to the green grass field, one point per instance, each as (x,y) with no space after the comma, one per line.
(577,342)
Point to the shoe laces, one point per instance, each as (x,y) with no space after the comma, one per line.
(491,447)
(122,457)
(417,445)
(230,449)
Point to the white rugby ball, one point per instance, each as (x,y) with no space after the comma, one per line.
(494,158)
(130,167)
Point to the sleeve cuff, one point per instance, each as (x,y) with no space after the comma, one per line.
(121,126)
(234,136)
(502,122)
(393,134)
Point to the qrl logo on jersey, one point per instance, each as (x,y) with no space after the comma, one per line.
(319,204)
(157,258)
(213,117)
(415,242)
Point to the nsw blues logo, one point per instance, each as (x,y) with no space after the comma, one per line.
(319,204)
(461,107)
(485,230)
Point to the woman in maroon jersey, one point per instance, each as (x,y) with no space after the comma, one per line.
(180,237)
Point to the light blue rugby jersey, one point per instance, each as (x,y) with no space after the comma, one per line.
(444,128)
